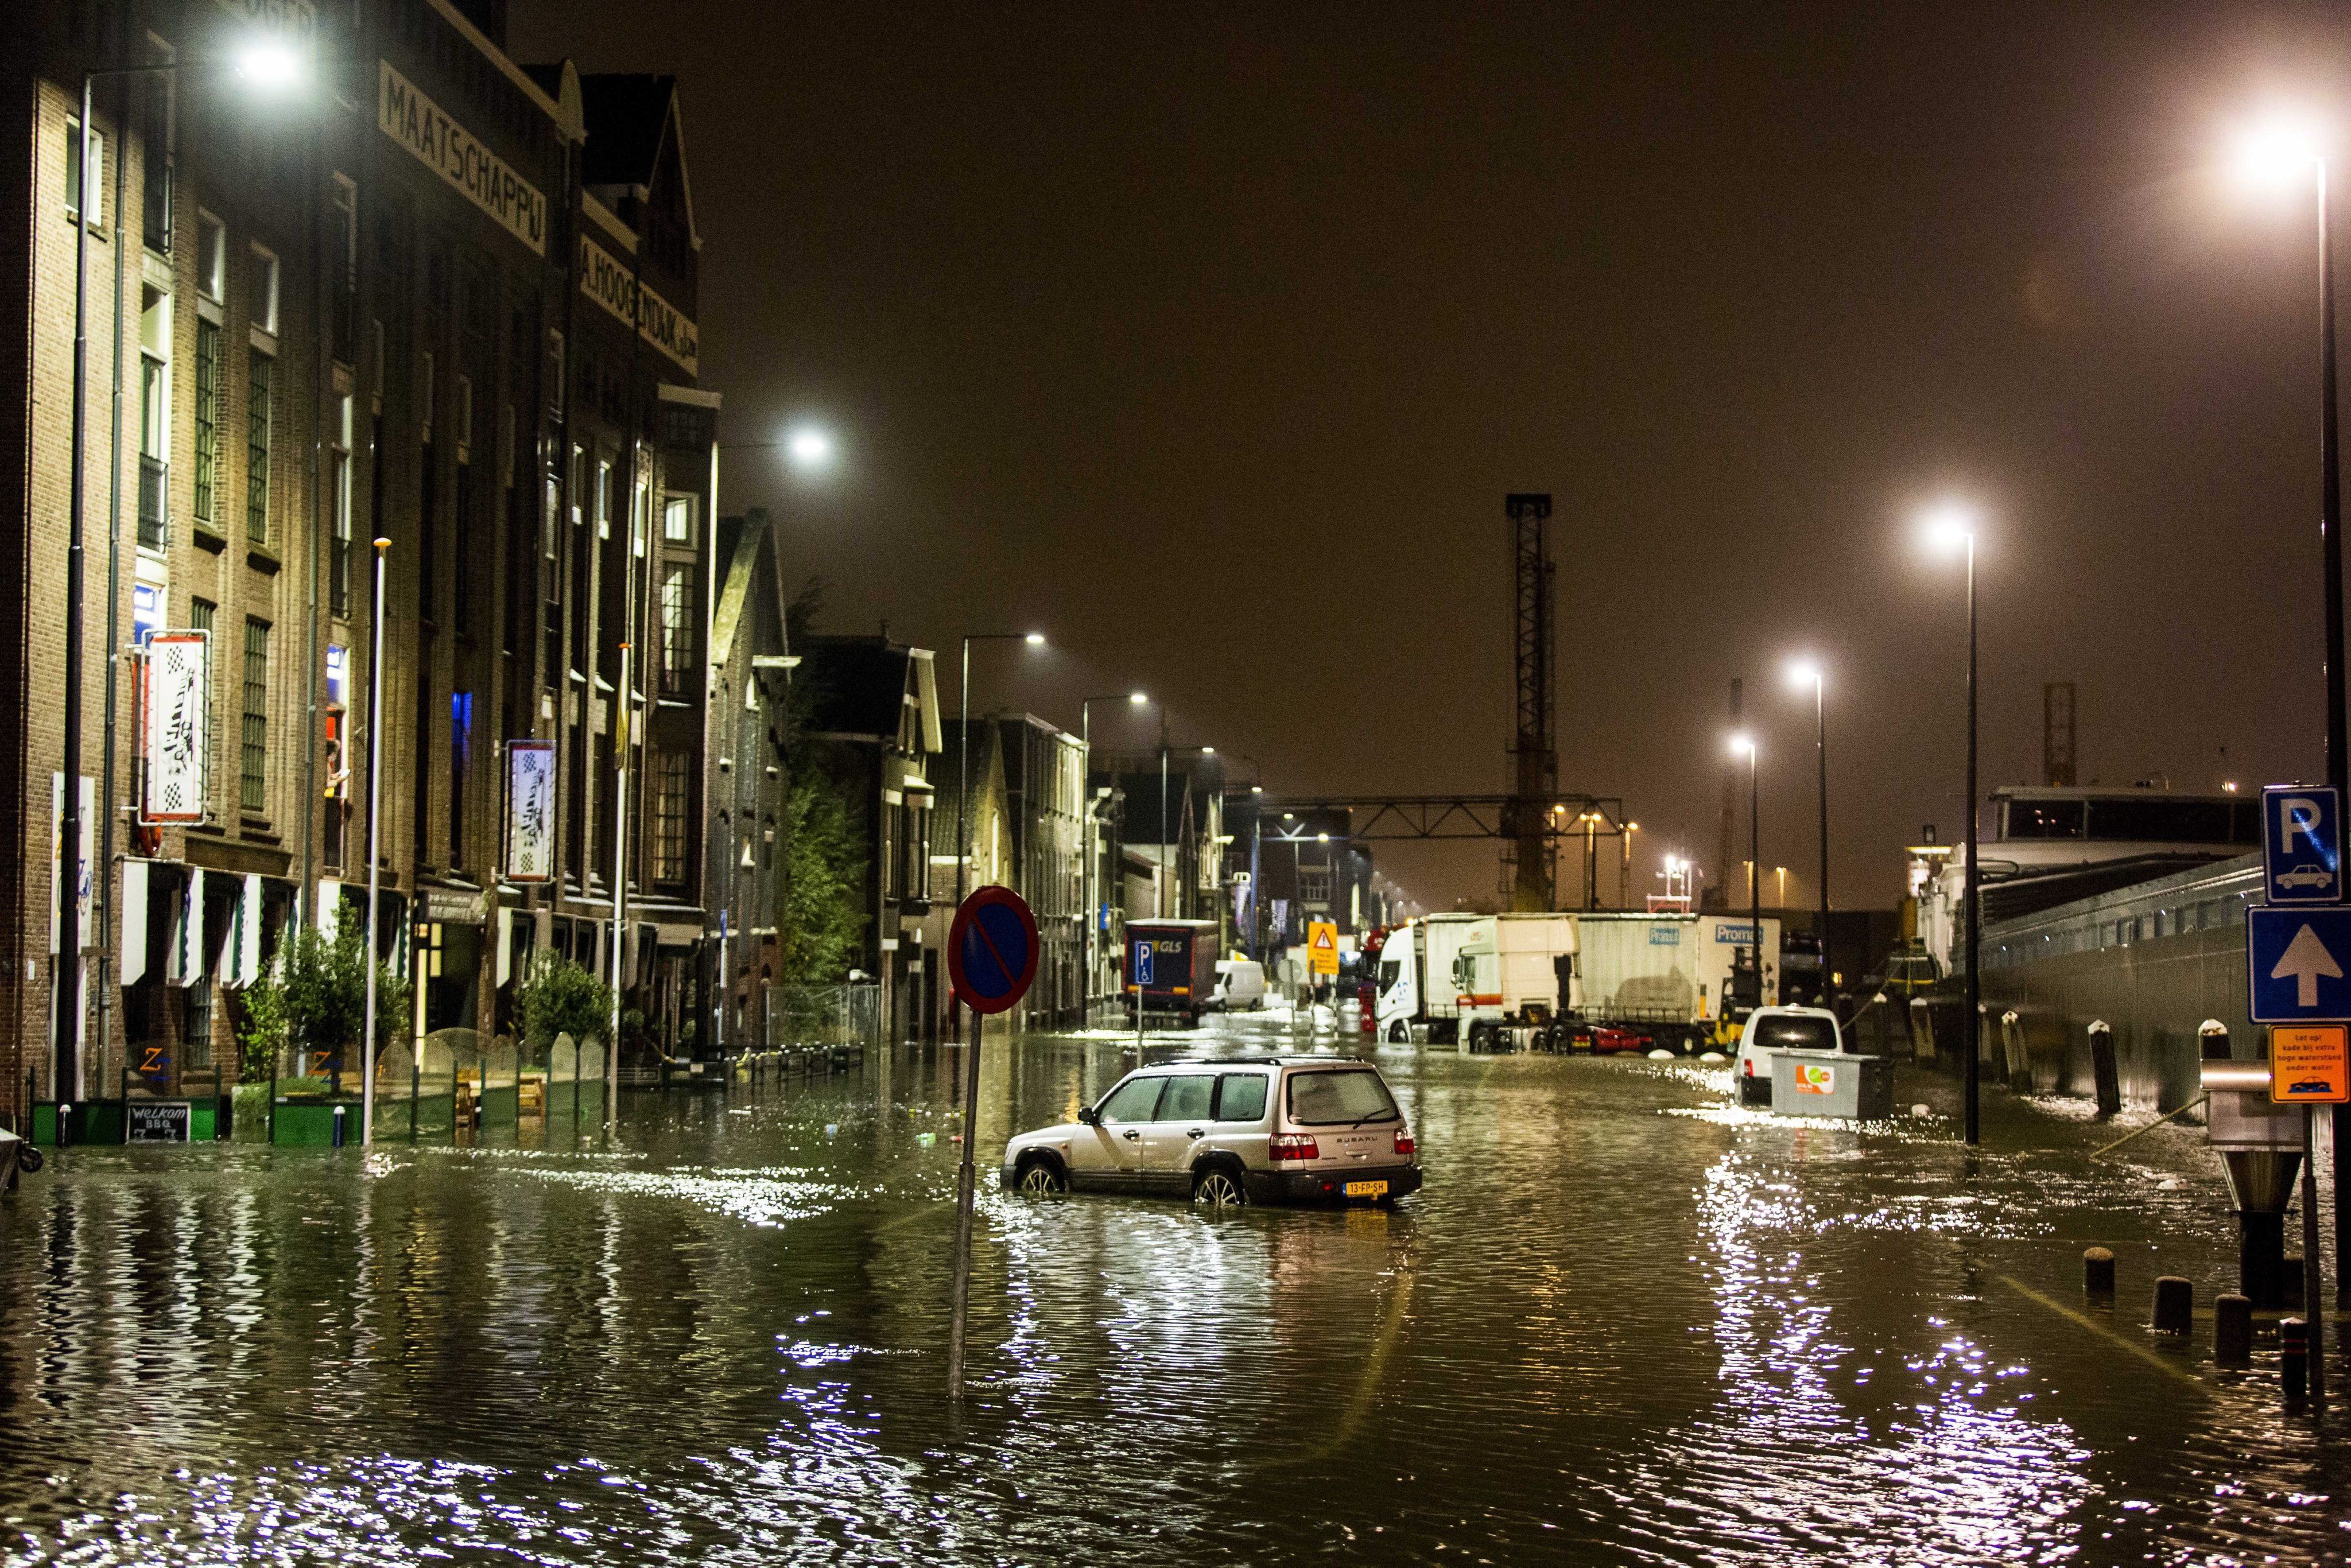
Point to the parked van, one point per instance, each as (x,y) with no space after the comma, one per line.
(1240,986)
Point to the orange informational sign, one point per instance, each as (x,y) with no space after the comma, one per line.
(2310,1063)
(1323,945)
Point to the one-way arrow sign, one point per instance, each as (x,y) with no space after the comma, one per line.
(2295,965)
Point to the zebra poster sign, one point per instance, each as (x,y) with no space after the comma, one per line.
(530,810)
(179,772)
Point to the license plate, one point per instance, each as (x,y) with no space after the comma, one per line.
(1367,1189)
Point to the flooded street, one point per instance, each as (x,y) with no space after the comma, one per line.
(1622,1324)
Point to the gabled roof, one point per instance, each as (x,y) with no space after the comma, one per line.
(861,686)
(630,117)
(744,543)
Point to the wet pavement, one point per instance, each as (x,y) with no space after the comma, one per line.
(1623,1322)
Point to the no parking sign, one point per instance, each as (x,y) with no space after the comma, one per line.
(992,949)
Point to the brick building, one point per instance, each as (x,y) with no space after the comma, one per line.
(423,294)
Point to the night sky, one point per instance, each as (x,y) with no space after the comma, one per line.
(1208,341)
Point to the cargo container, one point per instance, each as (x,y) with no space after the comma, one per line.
(1170,966)
(1669,974)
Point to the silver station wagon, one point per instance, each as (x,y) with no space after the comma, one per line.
(1252,1130)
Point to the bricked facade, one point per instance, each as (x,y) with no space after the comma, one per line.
(442,363)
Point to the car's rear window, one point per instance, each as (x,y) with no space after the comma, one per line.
(1186,1099)
(1241,1097)
(1327,1099)
(1796,1034)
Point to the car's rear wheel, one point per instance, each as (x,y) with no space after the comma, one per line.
(1219,1187)
(1043,1177)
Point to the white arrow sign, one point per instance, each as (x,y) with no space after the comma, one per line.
(2304,960)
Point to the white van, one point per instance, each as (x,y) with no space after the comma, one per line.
(1240,986)
(1779,1029)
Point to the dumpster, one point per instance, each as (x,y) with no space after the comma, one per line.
(1832,1083)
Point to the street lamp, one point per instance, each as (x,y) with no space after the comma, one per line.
(269,64)
(1802,673)
(1951,529)
(1746,743)
(963,757)
(1086,744)
(2284,149)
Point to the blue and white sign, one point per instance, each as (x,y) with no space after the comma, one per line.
(1142,969)
(2297,963)
(2302,844)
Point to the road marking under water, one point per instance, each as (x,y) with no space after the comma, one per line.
(2159,1363)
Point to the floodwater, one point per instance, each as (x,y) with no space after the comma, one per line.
(1622,1323)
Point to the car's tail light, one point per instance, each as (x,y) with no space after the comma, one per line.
(1747,1066)
(1294,1147)
(1405,1145)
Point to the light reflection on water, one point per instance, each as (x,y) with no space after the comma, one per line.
(1602,1333)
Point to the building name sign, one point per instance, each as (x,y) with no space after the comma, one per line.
(612,284)
(297,18)
(417,123)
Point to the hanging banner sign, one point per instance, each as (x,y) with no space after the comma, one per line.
(612,283)
(178,780)
(417,123)
(81,867)
(530,810)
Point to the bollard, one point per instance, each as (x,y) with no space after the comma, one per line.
(2294,1356)
(2175,1305)
(2019,1062)
(2232,1330)
(2098,1272)
(1922,1031)
(2212,1041)
(2103,1069)
(338,1126)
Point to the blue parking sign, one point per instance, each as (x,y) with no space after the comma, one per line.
(1142,963)
(2302,844)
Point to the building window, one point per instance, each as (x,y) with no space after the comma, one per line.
(640,502)
(604,500)
(260,371)
(343,280)
(157,121)
(338,547)
(154,442)
(676,625)
(208,420)
(253,776)
(97,173)
(212,257)
(263,306)
(677,520)
(669,817)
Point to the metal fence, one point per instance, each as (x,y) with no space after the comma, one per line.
(824,1015)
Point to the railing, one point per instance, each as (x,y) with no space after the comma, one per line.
(154,502)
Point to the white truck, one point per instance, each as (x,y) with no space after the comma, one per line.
(1472,979)
(1416,989)
(1667,976)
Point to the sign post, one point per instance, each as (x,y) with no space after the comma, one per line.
(991,959)
(2295,951)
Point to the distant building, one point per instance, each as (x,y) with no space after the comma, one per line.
(751,666)
(874,729)
(1026,832)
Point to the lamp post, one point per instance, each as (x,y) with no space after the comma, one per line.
(269,63)
(1803,674)
(1624,868)
(375,810)
(963,728)
(1086,744)
(1746,743)
(1953,527)
(2283,149)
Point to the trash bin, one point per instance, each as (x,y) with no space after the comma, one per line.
(1832,1083)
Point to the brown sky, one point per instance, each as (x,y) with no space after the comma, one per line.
(1210,338)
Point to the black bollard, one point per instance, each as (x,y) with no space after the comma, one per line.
(2232,1331)
(339,1127)
(2104,1072)
(2098,1272)
(2175,1305)
(2294,1356)
(2261,1258)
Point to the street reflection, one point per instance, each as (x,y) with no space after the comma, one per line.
(1620,1324)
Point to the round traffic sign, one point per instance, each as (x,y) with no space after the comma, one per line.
(992,949)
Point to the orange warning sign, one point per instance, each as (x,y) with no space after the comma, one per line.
(1323,945)
(2310,1064)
